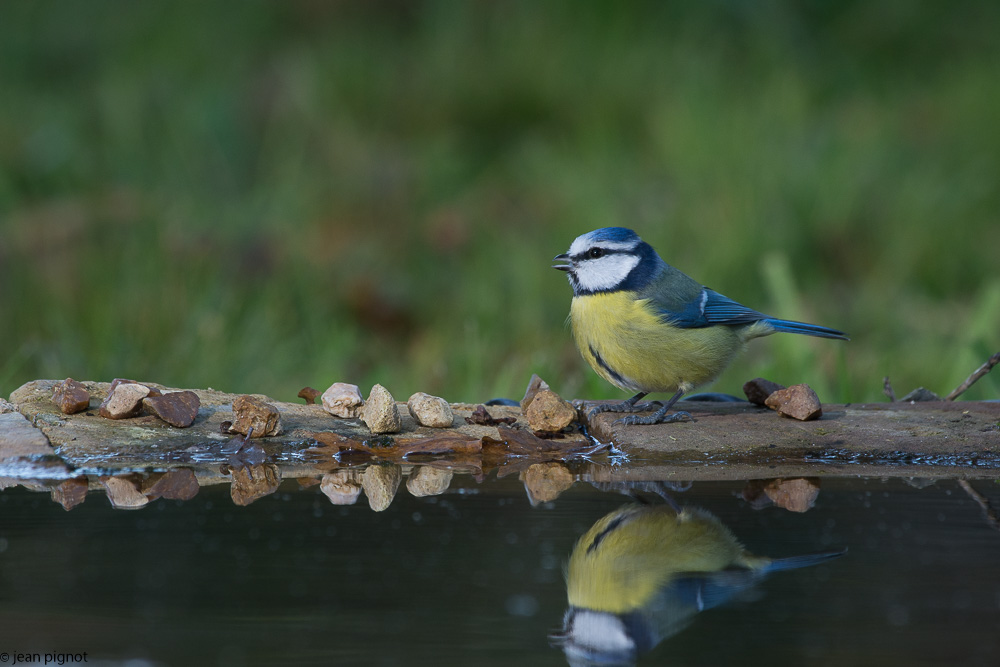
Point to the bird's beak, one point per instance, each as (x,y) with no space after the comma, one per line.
(568,266)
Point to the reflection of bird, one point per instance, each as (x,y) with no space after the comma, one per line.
(646,327)
(641,573)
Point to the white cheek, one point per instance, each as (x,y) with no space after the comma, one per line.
(599,631)
(606,272)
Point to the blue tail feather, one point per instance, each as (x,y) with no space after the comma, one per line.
(807,329)
(794,562)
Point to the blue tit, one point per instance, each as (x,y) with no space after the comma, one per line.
(641,574)
(646,327)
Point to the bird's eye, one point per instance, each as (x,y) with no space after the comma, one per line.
(594,253)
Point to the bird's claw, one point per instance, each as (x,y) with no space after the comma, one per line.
(636,420)
(624,406)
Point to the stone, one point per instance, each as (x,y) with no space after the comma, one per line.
(179,484)
(177,408)
(549,412)
(481,417)
(545,482)
(252,483)
(71,396)
(153,391)
(794,495)
(757,390)
(921,394)
(380,413)
(123,493)
(71,492)
(798,402)
(428,481)
(431,411)
(343,400)
(309,395)
(380,483)
(124,400)
(535,385)
(253,412)
(342,487)
(6,407)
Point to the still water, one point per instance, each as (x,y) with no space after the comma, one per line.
(476,576)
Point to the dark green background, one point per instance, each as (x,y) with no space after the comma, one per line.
(258,196)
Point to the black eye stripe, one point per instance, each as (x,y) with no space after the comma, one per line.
(604,252)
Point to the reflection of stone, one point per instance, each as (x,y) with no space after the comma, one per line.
(380,413)
(380,483)
(71,396)
(549,412)
(753,493)
(178,484)
(342,487)
(431,411)
(252,412)
(795,495)
(343,400)
(71,492)
(544,482)
(253,482)
(123,493)
(428,481)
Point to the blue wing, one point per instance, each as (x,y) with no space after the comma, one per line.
(709,308)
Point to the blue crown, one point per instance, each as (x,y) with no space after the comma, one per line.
(613,234)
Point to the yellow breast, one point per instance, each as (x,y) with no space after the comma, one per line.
(627,343)
(627,556)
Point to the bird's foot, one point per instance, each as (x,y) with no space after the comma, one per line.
(658,417)
(624,406)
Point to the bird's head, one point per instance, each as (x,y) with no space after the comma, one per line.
(607,260)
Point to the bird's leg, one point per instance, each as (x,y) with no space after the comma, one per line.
(660,416)
(628,405)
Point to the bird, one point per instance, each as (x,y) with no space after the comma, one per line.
(642,572)
(646,327)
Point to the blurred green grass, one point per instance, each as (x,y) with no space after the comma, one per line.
(259,196)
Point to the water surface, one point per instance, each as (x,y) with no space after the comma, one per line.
(476,577)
